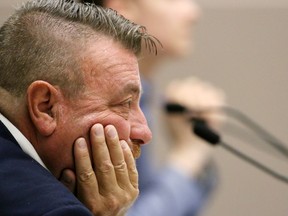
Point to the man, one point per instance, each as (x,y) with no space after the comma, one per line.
(69,110)
(184,180)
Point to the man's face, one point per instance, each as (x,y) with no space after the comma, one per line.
(111,96)
(171,21)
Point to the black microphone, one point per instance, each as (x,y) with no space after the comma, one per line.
(237,115)
(201,129)
(175,108)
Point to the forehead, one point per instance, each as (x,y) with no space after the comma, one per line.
(108,64)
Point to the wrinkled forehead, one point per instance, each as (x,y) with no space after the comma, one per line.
(107,61)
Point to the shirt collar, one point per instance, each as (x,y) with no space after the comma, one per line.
(23,142)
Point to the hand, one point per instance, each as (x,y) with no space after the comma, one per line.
(190,153)
(199,97)
(107,184)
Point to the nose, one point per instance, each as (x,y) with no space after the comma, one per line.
(139,128)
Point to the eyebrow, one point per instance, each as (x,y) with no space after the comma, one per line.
(131,88)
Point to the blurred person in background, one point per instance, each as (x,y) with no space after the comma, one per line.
(183,184)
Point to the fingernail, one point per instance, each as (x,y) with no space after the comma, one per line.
(111,132)
(81,143)
(99,130)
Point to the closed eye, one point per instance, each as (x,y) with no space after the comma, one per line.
(127,104)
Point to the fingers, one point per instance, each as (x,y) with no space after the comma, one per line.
(87,184)
(117,156)
(107,182)
(68,178)
(130,163)
(109,162)
(103,166)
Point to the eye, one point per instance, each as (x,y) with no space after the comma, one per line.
(127,104)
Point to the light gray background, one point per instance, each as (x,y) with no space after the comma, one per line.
(242,47)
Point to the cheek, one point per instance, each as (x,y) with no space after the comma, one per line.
(58,154)
(81,126)
(64,139)
(61,147)
(122,126)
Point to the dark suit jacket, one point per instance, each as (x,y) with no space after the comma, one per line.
(26,188)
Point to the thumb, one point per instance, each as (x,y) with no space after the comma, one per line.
(68,178)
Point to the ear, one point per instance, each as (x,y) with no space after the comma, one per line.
(41,99)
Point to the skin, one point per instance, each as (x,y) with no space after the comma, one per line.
(111,97)
(177,19)
(173,23)
(113,186)
(86,141)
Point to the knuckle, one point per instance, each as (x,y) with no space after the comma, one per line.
(129,197)
(113,204)
(120,166)
(105,167)
(133,170)
(86,176)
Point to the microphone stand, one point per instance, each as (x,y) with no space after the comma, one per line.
(201,129)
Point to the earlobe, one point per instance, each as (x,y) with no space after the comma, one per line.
(41,99)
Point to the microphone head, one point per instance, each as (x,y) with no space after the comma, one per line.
(175,108)
(200,126)
(201,129)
